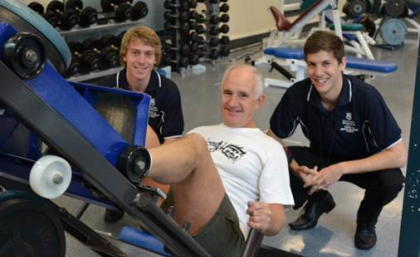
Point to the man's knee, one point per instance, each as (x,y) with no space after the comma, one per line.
(199,146)
(391,181)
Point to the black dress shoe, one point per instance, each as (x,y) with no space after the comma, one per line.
(312,211)
(365,237)
(112,216)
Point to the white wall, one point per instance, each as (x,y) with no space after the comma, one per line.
(250,17)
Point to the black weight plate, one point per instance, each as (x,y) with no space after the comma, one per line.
(74,4)
(88,16)
(140,11)
(356,8)
(55,6)
(394,8)
(30,228)
(69,19)
(37,7)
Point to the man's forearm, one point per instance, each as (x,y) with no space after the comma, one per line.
(277,221)
(394,157)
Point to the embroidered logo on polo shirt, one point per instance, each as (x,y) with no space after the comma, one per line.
(349,125)
(153,111)
(231,151)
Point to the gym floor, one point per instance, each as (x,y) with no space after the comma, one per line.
(333,237)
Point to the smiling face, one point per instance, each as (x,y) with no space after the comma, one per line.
(140,61)
(239,101)
(325,73)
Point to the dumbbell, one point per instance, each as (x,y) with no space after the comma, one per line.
(214,20)
(74,67)
(169,15)
(224,40)
(108,54)
(37,7)
(214,42)
(183,5)
(200,18)
(224,18)
(184,27)
(166,57)
(139,11)
(181,62)
(123,10)
(193,4)
(224,51)
(88,15)
(88,59)
(224,28)
(68,18)
(212,53)
(193,15)
(224,8)
(111,40)
(169,53)
(193,24)
(183,50)
(195,38)
(213,30)
(194,58)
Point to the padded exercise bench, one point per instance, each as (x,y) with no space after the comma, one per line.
(294,58)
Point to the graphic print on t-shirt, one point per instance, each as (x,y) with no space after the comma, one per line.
(231,151)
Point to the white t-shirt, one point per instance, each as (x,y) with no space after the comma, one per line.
(252,166)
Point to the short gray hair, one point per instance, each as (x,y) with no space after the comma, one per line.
(259,80)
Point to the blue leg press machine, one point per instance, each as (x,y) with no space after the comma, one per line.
(293,58)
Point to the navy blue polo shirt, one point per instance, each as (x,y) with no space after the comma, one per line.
(165,114)
(359,126)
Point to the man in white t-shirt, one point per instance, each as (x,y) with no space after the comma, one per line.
(228,177)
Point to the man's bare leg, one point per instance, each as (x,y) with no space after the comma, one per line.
(188,166)
(152,141)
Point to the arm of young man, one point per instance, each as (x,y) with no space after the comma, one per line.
(393,157)
(266,218)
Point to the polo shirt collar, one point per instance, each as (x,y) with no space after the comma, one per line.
(153,85)
(345,97)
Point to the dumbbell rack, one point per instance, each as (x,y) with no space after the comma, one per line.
(194,37)
(178,19)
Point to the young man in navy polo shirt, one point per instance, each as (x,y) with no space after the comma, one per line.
(353,137)
(140,53)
